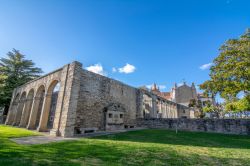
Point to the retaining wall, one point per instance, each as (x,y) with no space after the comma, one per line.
(225,126)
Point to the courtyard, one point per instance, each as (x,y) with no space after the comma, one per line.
(142,147)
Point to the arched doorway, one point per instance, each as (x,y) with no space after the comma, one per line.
(53,106)
(27,109)
(12,111)
(49,107)
(20,109)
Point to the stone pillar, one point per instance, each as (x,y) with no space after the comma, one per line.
(19,112)
(153,113)
(65,115)
(174,111)
(171,110)
(26,113)
(33,114)
(164,110)
(45,113)
(10,115)
(139,111)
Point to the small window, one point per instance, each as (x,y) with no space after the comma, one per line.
(110,115)
(183,111)
(121,115)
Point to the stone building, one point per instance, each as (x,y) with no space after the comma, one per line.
(182,94)
(85,102)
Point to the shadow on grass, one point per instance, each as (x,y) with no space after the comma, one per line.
(104,151)
(200,139)
(97,152)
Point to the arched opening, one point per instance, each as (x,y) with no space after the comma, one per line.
(27,109)
(49,107)
(40,98)
(53,106)
(20,109)
(13,110)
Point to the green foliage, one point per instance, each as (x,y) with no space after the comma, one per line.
(216,110)
(15,70)
(239,105)
(197,105)
(144,147)
(230,73)
(208,109)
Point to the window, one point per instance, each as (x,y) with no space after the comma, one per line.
(121,115)
(183,111)
(110,115)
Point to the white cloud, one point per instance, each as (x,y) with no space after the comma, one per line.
(206,66)
(114,70)
(127,69)
(97,68)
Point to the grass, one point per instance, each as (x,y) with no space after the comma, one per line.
(144,147)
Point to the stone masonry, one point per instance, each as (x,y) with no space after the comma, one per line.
(86,102)
(225,126)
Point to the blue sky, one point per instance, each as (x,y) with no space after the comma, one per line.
(156,41)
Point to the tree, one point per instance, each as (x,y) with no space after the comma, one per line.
(230,73)
(241,106)
(216,110)
(197,105)
(15,70)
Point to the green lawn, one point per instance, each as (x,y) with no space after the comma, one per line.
(145,147)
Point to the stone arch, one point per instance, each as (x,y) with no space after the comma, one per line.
(27,108)
(36,108)
(49,107)
(12,110)
(20,107)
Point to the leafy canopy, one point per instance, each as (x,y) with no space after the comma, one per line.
(15,70)
(230,73)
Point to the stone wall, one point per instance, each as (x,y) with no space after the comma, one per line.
(226,126)
(84,100)
(96,93)
(31,102)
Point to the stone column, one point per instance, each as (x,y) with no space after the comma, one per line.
(45,113)
(171,111)
(33,114)
(139,111)
(176,111)
(65,115)
(165,110)
(19,112)
(26,113)
(11,114)
(153,113)
(160,109)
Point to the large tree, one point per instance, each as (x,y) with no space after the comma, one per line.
(15,70)
(230,73)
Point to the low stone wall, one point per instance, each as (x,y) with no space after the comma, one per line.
(226,126)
